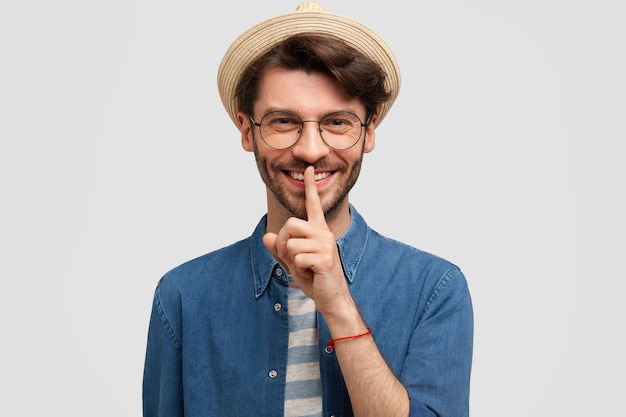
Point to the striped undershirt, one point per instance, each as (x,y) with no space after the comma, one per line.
(303,392)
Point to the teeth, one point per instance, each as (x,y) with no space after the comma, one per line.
(321,176)
(300,176)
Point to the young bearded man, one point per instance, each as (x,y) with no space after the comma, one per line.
(314,314)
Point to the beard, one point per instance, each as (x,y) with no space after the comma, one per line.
(294,204)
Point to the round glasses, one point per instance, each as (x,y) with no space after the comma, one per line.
(282,129)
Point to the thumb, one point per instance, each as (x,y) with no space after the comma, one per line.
(269,240)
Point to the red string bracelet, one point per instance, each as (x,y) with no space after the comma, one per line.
(331,342)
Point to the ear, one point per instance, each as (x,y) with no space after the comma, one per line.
(370,135)
(246,131)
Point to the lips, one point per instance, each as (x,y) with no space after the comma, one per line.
(300,175)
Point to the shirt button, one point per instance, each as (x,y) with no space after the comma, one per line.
(279,272)
(272,374)
(328,350)
(277,307)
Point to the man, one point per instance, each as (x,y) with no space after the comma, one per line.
(315,314)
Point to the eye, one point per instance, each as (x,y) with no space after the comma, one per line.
(336,122)
(282,121)
(339,122)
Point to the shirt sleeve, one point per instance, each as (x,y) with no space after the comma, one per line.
(438,365)
(162,378)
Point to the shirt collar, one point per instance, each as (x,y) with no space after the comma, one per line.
(351,248)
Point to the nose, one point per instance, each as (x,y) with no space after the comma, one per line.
(310,147)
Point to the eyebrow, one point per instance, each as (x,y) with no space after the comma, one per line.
(299,114)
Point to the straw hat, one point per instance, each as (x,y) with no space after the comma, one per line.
(309,17)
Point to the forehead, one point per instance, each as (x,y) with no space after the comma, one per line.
(303,93)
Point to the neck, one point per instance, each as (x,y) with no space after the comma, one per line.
(338,221)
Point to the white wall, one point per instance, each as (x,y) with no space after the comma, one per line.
(503,154)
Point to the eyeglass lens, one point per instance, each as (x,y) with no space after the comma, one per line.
(282,129)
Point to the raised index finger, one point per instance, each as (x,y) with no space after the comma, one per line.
(314,210)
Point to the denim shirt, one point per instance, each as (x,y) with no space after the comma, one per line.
(218,333)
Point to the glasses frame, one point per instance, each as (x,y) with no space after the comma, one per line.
(319,129)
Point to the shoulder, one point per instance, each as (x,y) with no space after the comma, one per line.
(189,273)
(400,252)
(432,273)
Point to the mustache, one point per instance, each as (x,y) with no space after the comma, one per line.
(301,165)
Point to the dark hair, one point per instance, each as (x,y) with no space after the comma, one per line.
(359,75)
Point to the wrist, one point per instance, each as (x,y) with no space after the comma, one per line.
(331,342)
(344,319)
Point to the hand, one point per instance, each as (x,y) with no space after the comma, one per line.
(307,249)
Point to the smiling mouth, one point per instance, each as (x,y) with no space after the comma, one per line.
(300,175)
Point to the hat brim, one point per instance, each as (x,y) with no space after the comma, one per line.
(260,38)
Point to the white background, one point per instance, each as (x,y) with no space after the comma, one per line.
(503,153)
